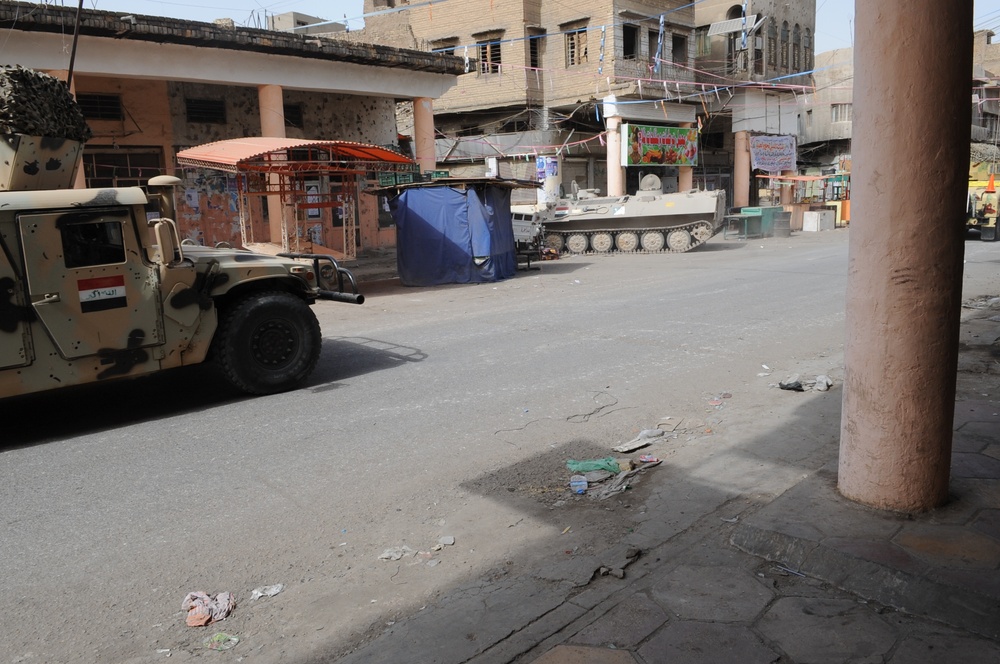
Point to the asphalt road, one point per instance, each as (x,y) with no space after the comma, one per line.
(433,412)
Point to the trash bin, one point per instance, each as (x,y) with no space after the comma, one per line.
(783,224)
(767,218)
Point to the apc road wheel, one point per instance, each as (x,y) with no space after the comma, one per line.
(554,241)
(652,241)
(627,241)
(601,242)
(679,240)
(702,232)
(577,243)
(268,342)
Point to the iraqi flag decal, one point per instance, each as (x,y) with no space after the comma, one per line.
(102,293)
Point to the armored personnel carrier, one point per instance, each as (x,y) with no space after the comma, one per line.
(649,221)
(96,285)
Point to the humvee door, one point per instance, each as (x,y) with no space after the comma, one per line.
(89,281)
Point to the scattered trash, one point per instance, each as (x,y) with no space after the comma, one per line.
(621,482)
(203,610)
(792,383)
(765,367)
(668,424)
(595,476)
(396,553)
(162,651)
(823,383)
(578,484)
(267,591)
(221,641)
(648,458)
(788,571)
(608,463)
(446,540)
(727,395)
(715,402)
(733,520)
(433,563)
(566,530)
(644,438)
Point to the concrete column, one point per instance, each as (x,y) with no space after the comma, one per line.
(270,100)
(423,133)
(741,170)
(906,250)
(787,194)
(613,125)
(685,174)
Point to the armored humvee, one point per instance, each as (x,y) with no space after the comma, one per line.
(95,285)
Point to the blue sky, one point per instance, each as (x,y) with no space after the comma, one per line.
(834,18)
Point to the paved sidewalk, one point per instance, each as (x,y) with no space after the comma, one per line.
(734,575)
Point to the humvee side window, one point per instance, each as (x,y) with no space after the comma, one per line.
(92,243)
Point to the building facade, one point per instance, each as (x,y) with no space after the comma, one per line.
(152,87)
(536,74)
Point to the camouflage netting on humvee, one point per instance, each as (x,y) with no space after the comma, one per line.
(37,104)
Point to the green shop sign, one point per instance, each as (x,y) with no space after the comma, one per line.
(644,145)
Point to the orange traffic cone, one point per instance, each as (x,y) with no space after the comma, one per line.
(990,189)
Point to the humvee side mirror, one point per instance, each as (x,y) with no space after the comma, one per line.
(162,187)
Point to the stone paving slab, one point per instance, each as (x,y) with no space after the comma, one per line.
(937,565)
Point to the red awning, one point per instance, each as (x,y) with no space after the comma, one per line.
(293,155)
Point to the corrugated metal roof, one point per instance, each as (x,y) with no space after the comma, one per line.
(270,154)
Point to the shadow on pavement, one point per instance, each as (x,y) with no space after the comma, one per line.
(347,357)
(38,418)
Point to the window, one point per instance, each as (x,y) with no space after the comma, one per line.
(445,46)
(758,55)
(703,44)
(489,53)
(784,45)
(772,45)
(293,115)
(630,41)
(87,243)
(796,48)
(576,45)
(679,50)
(841,112)
(809,119)
(123,167)
(211,111)
(100,107)
(807,54)
(536,39)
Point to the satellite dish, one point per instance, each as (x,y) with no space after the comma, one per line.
(650,182)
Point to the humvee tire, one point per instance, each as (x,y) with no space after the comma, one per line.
(267,342)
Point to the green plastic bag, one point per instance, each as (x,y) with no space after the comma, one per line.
(608,463)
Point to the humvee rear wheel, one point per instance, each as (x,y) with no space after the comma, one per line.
(652,241)
(627,241)
(577,243)
(267,342)
(678,240)
(702,232)
(554,241)
(601,242)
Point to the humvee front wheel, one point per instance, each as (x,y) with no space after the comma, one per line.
(267,342)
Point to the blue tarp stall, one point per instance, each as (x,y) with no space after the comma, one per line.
(453,235)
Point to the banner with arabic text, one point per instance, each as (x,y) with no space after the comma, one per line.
(772,153)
